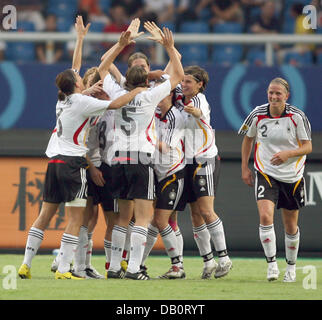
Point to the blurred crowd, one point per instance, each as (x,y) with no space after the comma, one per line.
(201,16)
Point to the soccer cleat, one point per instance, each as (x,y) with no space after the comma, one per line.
(54,265)
(24,272)
(174,273)
(92,273)
(272,272)
(124,264)
(223,268)
(68,275)
(115,274)
(136,276)
(207,272)
(290,276)
(143,269)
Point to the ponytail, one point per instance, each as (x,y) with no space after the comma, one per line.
(61,95)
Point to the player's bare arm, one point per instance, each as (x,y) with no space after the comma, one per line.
(126,98)
(81,31)
(247,175)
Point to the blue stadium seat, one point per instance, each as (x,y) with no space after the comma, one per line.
(63,9)
(299,59)
(194,27)
(228,27)
(288,25)
(64,24)
(226,55)
(105,5)
(194,53)
(25,26)
(169,25)
(97,26)
(256,57)
(21,51)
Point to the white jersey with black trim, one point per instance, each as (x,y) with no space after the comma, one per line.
(134,123)
(170,130)
(73,120)
(275,134)
(199,134)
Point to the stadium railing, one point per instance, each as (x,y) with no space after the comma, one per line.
(180,38)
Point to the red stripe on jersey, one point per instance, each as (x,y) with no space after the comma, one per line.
(147,132)
(290,115)
(78,131)
(56,161)
(94,123)
(55,130)
(176,166)
(182,145)
(179,97)
(261,117)
(159,117)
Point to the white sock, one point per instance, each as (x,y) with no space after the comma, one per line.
(67,250)
(180,243)
(292,243)
(80,254)
(268,240)
(89,251)
(138,241)
(118,241)
(170,243)
(107,249)
(151,239)
(35,237)
(127,245)
(202,239)
(217,234)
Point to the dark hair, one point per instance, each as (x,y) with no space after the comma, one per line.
(65,82)
(137,55)
(198,74)
(136,76)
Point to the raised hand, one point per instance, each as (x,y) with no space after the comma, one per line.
(167,38)
(125,38)
(134,28)
(155,31)
(79,27)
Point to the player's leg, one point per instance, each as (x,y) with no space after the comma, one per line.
(203,240)
(35,237)
(173,222)
(161,219)
(267,236)
(217,234)
(292,241)
(110,219)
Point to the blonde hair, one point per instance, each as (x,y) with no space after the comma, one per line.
(281,81)
(96,76)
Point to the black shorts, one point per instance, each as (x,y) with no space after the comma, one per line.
(65,179)
(133,180)
(290,196)
(103,195)
(169,192)
(202,177)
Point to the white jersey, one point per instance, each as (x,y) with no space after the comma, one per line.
(74,115)
(275,134)
(134,123)
(170,130)
(199,135)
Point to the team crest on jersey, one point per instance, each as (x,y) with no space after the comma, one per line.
(245,127)
(202,182)
(172,195)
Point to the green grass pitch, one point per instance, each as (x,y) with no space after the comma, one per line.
(246,281)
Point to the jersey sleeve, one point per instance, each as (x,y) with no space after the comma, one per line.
(92,106)
(112,88)
(93,146)
(303,128)
(249,127)
(156,94)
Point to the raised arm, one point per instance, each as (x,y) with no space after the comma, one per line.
(81,33)
(126,98)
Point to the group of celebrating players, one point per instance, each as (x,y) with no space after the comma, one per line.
(142,147)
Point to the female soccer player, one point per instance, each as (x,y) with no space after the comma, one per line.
(282,136)
(66,172)
(133,152)
(202,170)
